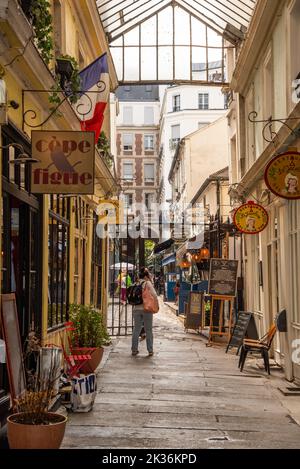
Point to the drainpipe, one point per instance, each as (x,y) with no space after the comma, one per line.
(219,216)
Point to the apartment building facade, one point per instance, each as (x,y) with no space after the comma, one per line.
(138,146)
(262,80)
(184,110)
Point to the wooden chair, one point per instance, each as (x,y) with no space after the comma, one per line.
(261,346)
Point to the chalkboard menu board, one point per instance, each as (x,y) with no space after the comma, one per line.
(223,277)
(194,312)
(244,327)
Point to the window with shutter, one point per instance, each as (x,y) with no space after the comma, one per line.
(148,115)
(203,101)
(149,142)
(127,115)
(127,142)
(128,171)
(149,172)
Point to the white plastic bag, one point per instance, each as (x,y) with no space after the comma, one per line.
(83,393)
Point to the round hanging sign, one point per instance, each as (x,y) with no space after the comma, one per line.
(282,175)
(250,218)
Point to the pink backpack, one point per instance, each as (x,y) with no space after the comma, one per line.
(150,300)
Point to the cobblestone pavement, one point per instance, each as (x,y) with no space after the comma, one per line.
(186,396)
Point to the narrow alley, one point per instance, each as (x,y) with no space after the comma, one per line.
(186,396)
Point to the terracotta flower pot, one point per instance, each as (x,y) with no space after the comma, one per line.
(91,365)
(24,436)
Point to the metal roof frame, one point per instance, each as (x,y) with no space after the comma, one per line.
(227,17)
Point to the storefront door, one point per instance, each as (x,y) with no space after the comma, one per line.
(273,290)
(20,260)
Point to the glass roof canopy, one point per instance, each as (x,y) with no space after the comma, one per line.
(173,41)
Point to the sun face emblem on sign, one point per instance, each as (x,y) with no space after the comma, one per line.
(282,175)
(250,218)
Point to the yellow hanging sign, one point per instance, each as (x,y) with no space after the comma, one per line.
(282,175)
(251,218)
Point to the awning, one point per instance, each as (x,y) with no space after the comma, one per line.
(181,251)
(163,246)
(169,259)
(196,242)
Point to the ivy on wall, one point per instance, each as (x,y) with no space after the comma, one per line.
(41,18)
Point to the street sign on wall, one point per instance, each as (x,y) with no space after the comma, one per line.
(282,175)
(66,162)
(250,218)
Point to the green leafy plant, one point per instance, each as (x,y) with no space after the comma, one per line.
(71,87)
(90,330)
(41,18)
(103,146)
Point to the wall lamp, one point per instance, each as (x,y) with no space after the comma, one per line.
(21,158)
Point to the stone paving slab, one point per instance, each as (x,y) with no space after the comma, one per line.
(187,395)
(116,437)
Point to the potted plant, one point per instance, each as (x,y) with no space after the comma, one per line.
(32,425)
(89,331)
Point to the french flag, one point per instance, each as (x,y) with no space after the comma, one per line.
(91,109)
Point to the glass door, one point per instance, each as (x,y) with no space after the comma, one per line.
(20,257)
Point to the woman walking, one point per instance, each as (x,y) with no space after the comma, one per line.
(143,313)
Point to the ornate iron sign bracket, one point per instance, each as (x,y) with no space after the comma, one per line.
(83,108)
(268,133)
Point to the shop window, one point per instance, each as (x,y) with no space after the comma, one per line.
(294,238)
(58,233)
(76,269)
(21,259)
(96,290)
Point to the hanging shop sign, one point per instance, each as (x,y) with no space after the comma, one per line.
(250,218)
(66,162)
(282,175)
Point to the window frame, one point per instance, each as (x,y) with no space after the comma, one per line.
(203,101)
(149,136)
(123,170)
(149,121)
(176,102)
(123,142)
(148,179)
(128,121)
